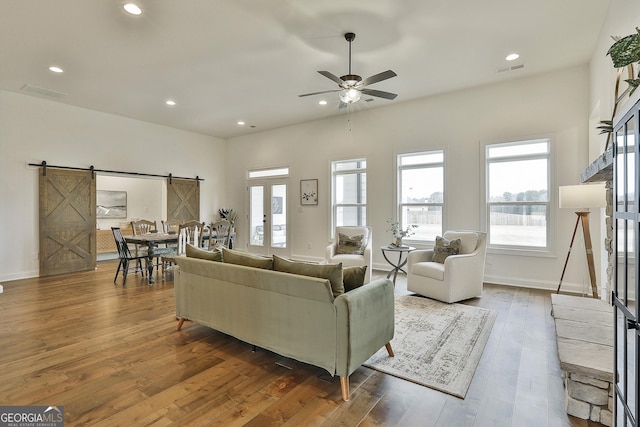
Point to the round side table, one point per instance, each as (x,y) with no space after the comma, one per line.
(402,252)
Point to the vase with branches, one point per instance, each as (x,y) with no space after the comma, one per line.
(400,233)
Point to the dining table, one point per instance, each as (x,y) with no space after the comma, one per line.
(151,241)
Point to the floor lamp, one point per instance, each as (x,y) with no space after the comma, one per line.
(582,197)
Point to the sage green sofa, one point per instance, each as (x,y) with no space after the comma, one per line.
(292,315)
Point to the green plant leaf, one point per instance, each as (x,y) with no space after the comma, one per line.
(633,83)
(626,50)
(606,126)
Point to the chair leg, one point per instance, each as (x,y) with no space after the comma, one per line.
(126,270)
(344,386)
(118,270)
(389,349)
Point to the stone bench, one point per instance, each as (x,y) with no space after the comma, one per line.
(584,333)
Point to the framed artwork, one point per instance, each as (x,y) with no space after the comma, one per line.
(308,191)
(111,204)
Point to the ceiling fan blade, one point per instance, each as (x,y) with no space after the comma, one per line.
(342,104)
(318,93)
(331,77)
(379,93)
(378,78)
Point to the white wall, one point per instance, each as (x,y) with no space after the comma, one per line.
(34,129)
(554,104)
(146,199)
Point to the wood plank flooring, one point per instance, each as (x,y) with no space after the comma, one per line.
(112,357)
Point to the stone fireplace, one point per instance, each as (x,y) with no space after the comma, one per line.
(601,170)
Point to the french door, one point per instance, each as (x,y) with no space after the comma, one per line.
(627,269)
(269,217)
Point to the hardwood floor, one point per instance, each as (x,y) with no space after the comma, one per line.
(112,357)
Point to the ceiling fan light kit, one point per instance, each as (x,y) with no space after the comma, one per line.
(352,86)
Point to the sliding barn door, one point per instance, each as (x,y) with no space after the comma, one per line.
(183,200)
(67,221)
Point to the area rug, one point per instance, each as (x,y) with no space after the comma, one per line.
(437,345)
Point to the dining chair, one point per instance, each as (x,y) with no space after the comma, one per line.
(144,226)
(170,227)
(191,232)
(220,234)
(126,256)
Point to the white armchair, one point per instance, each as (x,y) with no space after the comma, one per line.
(347,259)
(459,278)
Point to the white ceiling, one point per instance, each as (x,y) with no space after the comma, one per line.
(225,61)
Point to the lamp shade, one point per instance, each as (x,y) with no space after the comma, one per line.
(582,196)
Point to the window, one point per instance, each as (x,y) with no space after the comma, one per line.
(267,173)
(348,192)
(421,193)
(517,194)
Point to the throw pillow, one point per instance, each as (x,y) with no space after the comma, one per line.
(194,252)
(353,277)
(445,248)
(242,258)
(331,272)
(353,245)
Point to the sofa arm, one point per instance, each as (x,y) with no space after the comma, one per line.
(330,252)
(365,323)
(421,255)
(465,268)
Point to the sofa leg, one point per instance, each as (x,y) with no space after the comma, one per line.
(344,385)
(180,323)
(389,349)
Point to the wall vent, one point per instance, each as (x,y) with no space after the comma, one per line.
(42,91)
(511,68)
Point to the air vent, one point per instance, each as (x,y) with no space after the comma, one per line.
(369,100)
(512,68)
(42,91)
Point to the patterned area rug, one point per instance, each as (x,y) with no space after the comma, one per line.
(437,345)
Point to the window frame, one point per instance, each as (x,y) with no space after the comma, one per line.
(400,204)
(551,203)
(333,205)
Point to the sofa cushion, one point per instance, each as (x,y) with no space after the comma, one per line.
(469,240)
(432,270)
(231,256)
(331,272)
(194,252)
(353,245)
(445,248)
(353,277)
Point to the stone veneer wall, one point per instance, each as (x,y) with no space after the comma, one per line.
(588,398)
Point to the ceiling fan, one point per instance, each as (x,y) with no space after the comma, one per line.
(352,86)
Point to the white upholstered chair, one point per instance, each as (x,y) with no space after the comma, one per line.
(333,256)
(459,278)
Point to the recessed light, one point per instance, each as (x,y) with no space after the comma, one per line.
(241,123)
(322,102)
(512,57)
(133,8)
(56,69)
(170,102)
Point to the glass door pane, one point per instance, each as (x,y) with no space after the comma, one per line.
(279,216)
(256,215)
(269,217)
